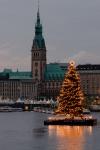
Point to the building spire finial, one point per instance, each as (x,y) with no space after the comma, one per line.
(38,6)
(38,13)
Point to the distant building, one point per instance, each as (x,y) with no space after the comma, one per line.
(90,79)
(17,84)
(45,80)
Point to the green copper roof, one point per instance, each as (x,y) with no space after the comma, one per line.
(7,70)
(20,75)
(38,41)
(16,75)
(38,26)
(54,72)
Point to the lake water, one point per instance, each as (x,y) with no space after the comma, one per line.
(26,131)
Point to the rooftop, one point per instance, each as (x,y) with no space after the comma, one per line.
(54,72)
(8,73)
(89,67)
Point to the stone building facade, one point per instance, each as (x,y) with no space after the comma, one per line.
(17,84)
(45,80)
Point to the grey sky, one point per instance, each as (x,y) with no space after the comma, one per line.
(71,29)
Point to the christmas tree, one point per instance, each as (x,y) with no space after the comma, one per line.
(71,99)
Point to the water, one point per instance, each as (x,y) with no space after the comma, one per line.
(26,131)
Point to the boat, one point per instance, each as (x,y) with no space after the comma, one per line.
(95,108)
(86,111)
(10,109)
(42,110)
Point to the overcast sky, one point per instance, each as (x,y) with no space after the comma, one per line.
(71,29)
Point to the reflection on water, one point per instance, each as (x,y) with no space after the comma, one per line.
(26,131)
(39,132)
(70,137)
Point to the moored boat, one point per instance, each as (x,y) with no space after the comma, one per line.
(10,109)
(86,111)
(95,108)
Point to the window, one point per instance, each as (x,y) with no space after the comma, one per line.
(36,64)
(57,84)
(36,72)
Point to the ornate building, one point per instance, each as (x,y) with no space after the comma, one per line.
(38,56)
(27,84)
(44,80)
(17,84)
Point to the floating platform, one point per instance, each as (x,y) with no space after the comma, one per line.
(72,122)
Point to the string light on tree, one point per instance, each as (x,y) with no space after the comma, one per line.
(71,98)
(72,63)
(70,102)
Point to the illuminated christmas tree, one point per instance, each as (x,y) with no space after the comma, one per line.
(71,99)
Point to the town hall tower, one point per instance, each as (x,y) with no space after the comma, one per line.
(38,52)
